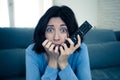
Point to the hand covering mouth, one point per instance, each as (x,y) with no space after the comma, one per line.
(57,44)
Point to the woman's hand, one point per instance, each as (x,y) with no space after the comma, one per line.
(55,57)
(65,52)
(52,53)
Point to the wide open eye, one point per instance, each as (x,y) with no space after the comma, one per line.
(63,30)
(49,30)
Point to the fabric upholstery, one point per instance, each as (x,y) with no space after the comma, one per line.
(111,73)
(12,63)
(104,54)
(15,37)
(103,47)
(99,36)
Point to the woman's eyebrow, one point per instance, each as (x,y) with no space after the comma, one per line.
(50,25)
(63,25)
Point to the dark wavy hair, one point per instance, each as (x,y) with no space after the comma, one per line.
(65,13)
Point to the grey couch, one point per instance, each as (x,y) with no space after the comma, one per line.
(104,52)
(103,46)
(13,42)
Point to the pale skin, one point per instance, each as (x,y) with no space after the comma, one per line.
(57,52)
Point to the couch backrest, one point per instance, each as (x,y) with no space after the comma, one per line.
(103,48)
(13,42)
(12,63)
(15,37)
(99,36)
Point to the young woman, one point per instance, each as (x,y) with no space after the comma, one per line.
(48,57)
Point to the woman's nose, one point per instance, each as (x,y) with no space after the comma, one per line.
(56,36)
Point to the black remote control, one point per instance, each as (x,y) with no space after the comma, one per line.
(82,30)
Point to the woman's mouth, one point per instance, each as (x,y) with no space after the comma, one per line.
(57,44)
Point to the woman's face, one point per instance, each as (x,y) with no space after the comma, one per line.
(56,31)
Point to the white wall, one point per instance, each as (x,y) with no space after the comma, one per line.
(4,14)
(83,9)
(109,14)
(27,12)
(100,13)
(22,13)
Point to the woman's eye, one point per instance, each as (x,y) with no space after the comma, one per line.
(49,30)
(63,30)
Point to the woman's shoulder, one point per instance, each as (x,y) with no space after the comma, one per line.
(83,45)
(29,50)
(31,53)
(82,50)
(30,47)
(37,59)
(75,57)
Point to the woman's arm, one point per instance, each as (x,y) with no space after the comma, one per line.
(67,74)
(83,66)
(33,69)
(50,74)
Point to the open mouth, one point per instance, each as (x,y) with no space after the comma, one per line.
(57,44)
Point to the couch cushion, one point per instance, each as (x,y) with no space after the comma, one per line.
(18,78)
(12,63)
(104,54)
(111,73)
(15,37)
(99,36)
